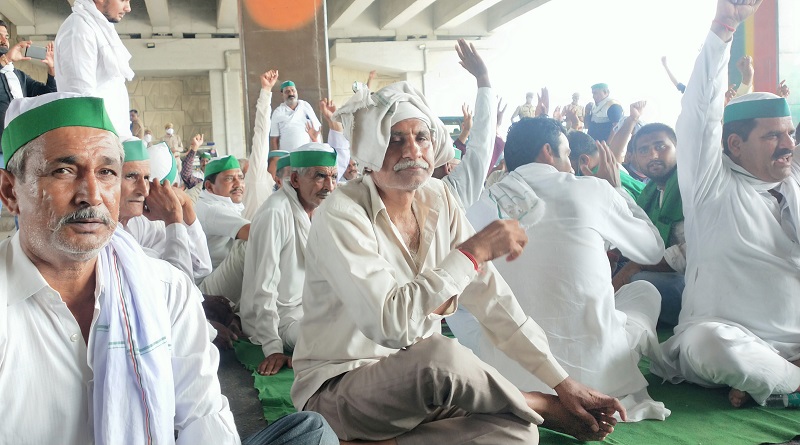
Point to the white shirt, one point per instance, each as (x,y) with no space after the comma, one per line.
(183,246)
(86,64)
(466,180)
(290,125)
(13,81)
(366,296)
(743,259)
(221,220)
(274,270)
(258,181)
(563,277)
(46,376)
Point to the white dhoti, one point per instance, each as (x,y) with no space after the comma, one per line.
(226,279)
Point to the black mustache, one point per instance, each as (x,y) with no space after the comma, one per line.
(781,152)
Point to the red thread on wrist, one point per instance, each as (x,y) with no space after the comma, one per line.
(471,258)
(726,26)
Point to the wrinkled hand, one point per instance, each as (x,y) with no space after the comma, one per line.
(637,108)
(502,237)
(466,124)
(734,12)
(587,404)
(625,275)
(783,89)
(272,364)
(17,52)
(163,204)
(745,66)
(472,62)
(269,79)
(543,105)
(313,133)
(225,336)
(730,94)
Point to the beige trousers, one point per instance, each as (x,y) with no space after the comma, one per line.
(433,392)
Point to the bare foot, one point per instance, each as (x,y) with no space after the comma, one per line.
(738,398)
(558,418)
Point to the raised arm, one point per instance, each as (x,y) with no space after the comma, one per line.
(259,181)
(619,141)
(672,77)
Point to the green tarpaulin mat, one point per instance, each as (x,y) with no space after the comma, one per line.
(700,416)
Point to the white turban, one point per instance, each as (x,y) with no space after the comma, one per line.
(367,119)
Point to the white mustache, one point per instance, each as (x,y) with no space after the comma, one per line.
(402,165)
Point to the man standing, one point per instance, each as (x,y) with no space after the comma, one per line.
(274,272)
(562,279)
(15,84)
(137,129)
(528,109)
(91,59)
(388,256)
(168,229)
(172,139)
(605,114)
(739,324)
(654,154)
(289,121)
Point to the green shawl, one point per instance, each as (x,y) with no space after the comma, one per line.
(671,210)
(631,185)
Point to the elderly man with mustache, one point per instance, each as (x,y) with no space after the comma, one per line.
(391,254)
(274,272)
(739,324)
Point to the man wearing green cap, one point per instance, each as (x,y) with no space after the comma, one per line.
(219,209)
(81,297)
(739,324)
(604,115)
(160,217)
(274,272)
(289,121)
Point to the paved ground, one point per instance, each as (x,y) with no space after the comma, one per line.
(237,385)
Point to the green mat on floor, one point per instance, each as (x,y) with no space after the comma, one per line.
(699,416)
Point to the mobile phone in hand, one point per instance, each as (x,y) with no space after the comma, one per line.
(36,52)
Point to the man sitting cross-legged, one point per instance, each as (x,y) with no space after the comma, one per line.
(274,264)
(388,256)
(739,325)
(563,279)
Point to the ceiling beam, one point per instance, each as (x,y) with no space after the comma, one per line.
(227,15)
(18,12)
(159,15)
(508,10)
(342,12)
(396,13)
(449,14)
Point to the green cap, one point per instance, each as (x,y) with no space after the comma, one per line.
(457,154)
(220,165)
(283,163)
(756,105)
(135,150)
(31,117)
(277,154)
(288,83)
(313,154)
(205,155)
(600,86)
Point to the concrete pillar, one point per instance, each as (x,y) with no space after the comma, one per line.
(287,35)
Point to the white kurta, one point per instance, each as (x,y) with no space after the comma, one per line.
(183,246)
(47,377)
(366,296)
(290,125)
(274,273)
(85,63)
(221,220)
(563,281)
(466,180)
(258,181)
(743,258)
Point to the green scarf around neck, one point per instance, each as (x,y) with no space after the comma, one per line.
(670,212)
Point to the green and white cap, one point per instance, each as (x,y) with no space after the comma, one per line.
(30,117)
(220,165)
(756,105)
(162,162)
(135,150)
(313,154)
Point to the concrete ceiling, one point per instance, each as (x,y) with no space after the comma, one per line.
(364,20)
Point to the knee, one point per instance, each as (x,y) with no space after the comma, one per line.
(440,353)
(710,348)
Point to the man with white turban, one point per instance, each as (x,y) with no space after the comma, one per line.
(391,254)
(739,325)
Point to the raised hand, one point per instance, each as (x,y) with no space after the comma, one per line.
(730,94)
(163,204)
(17,52)
(664,60)
(745,66)
(557,114)
(607,168)
(637,108)
(327,108)
(730,13)
(269,79)
(196,141)
(313,133)
(543,105)
(501,110)
(49,59)
(783,89)
(473,63)
(467,113)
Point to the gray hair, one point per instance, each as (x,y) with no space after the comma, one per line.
(302,171)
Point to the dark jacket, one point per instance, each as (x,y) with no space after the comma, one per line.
(30,88)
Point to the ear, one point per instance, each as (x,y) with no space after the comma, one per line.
(735,146)
(294,179)
(208,185)
(8,194)
(546,156)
